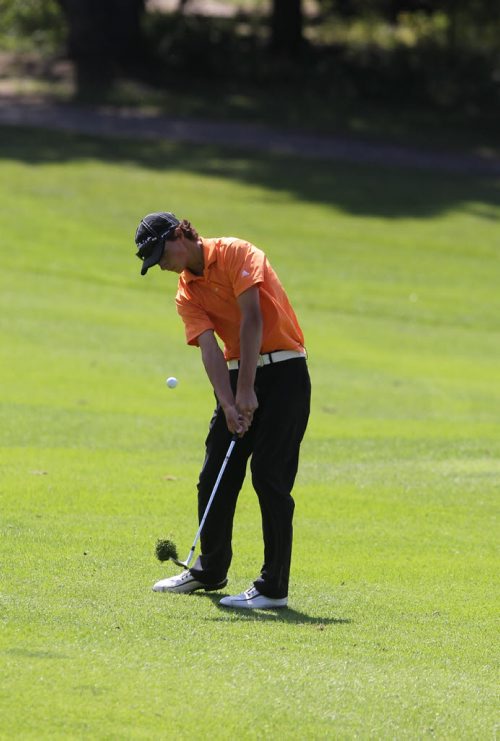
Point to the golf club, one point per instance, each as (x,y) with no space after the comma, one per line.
(165,549)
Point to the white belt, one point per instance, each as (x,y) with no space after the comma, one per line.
(269,358)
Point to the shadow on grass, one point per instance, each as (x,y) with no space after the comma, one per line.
(283,615)
(361,190)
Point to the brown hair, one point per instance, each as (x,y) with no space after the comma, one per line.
(188,230)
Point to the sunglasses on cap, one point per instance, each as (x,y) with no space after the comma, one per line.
(150,238)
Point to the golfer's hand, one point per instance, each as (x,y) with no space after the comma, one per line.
(246,404)
(236,422)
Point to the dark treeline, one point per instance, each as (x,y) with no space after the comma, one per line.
(454,57)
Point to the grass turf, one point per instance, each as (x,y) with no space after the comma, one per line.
(391,626)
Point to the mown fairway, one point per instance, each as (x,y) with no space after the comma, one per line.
(391,627)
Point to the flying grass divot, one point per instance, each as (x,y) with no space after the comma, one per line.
(166,550)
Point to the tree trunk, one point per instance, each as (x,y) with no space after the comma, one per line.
(286,27)
(104,39)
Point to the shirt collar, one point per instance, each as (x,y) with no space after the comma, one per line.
(209,257)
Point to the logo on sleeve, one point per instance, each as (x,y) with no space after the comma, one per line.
(244,273)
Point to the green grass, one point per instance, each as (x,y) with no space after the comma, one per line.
(391,626)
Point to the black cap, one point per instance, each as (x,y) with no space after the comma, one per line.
(150,237)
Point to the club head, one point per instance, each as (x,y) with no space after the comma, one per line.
(184,564)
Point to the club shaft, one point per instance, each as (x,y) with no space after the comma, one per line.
(212,495)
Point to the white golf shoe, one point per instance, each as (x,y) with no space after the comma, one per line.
(184,584)
(252,599)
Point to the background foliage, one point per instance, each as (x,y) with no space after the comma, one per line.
(32,25)
(441,54)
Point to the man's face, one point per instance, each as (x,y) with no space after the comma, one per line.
(174,256)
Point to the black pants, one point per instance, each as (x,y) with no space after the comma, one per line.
(273,440)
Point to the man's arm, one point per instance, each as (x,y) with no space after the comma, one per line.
(250,344)
(238,411)
(218,374)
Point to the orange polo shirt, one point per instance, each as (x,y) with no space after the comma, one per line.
(209,301)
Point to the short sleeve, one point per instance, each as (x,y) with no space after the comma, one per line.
(196,320)
(245,265)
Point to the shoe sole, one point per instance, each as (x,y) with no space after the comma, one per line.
(246,606)
(204,588)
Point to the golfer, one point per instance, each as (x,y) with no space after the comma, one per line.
(228,289)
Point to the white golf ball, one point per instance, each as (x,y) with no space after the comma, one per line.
(172,382)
